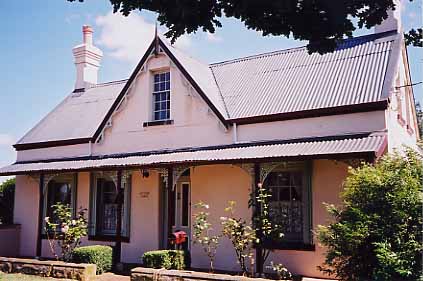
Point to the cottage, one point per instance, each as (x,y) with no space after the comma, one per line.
(179,131)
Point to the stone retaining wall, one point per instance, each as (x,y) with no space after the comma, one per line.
(151,274)
(57,269)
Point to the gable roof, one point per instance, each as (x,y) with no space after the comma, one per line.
(292,80)
(77,117)
(262,87)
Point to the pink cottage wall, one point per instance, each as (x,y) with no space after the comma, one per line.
(26,213)
(327,180)
(212,184)
(144,226)
(217,184)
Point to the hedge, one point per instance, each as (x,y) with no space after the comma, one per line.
(168,259)
(98,255)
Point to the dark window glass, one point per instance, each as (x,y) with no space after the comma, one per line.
(106,207)
(286,203)
(59,191)
(185,204)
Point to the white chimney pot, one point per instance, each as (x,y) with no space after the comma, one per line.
(87,60)
(393,22)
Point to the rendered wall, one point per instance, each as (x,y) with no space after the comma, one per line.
(26,213)
(213,184)
(216,185)
(144,226)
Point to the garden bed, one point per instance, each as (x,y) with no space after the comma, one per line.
(56,269)
(151,274)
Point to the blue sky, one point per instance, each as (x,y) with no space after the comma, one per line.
(38,70)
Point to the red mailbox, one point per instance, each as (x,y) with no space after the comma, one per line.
(179,237)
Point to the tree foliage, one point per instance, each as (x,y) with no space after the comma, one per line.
(320,22)
(377,234)
(7,199)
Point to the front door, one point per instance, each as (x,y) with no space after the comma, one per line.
(183,209)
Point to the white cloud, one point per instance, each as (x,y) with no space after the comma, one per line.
(212,37)
(127,38)
(6,140)
(72,17)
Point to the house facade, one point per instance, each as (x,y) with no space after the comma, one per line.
(139,153)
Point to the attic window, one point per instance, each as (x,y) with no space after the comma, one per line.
(161,96)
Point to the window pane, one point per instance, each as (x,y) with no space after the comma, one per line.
(106,207)
(58,191)
(286,205)
(161,104)
(185,204)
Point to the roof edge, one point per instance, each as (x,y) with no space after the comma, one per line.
(46,144)
(212,147)
(337,110)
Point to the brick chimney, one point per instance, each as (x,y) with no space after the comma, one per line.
(393,22)
(87,60)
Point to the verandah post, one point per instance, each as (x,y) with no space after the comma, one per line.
(256,211)
(170,204)
(40,215)
(119,201)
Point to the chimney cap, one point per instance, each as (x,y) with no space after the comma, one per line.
(87,29)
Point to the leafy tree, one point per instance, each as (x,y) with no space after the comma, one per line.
(65,231)
(377,234)
(203,233)
(321,22)
(7,199)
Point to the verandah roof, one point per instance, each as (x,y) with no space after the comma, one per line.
(364,146)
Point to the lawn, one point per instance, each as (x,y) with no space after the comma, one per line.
(23,277)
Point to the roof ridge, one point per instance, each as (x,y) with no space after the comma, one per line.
(114,82)
(361,39)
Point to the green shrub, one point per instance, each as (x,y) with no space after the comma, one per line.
(169,259)
(7,199)
(98,255)
(377,233)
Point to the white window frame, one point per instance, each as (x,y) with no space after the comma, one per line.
(154,93)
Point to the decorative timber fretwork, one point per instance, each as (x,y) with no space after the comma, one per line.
(163,173)
(47,179)
(266,168)
(247,167)
(177,173)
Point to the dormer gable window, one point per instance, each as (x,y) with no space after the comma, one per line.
(161,96)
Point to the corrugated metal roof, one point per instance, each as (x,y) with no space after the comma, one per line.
(324,148)
(271,83)
(292,80)
(201,74)
(78,116)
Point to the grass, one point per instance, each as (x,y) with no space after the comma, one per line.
(24,277)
